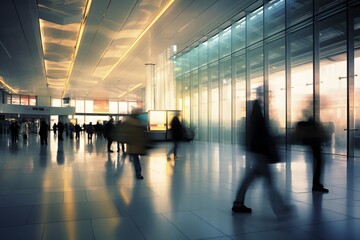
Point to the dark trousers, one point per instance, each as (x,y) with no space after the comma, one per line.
(260,168)
(43,140)
(317,165)
(109,144)
(174,148)
(136,160)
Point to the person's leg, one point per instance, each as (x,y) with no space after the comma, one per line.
(317,168)
(239,202)
(137,166)
(109,145)
(176,144)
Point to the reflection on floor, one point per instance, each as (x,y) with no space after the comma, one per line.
(76,190)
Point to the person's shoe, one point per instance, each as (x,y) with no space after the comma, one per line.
(139,177)
(320,188)
(241,209)
(110,151)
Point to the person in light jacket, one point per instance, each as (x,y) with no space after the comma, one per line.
(136,140)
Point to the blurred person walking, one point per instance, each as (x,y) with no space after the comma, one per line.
(25,130)
(261,153)
(177,135)
(109,133)
(314,135)
(90,131)
(14,130)
(136,140)
(43,132)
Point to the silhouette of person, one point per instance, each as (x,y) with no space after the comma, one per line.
(119,136)
(261,153)
(43,132)
(313,134)
(14,130)
(90,131)
(24,130)
(109,133)
(77,131)
(177,135)
(54,128)
(61,128)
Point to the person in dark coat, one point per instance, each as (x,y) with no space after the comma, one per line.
(14,130)
(43,132)
(177,135)
(109,133)
(261,152)
(90,131)
(61,128)
(119,136)
(313,134)
(77,131)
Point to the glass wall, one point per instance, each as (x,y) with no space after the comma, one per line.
(294,53)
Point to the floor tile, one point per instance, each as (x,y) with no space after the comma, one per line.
(74,190)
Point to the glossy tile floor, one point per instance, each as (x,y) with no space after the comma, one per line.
(76,190)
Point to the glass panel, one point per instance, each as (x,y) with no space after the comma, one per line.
(299,10)
(225,101)
(203,111)
(194,58)
(333,80)
(179,93)
(113,107)
(225,42)
(256,70)
(195,101)
(24,100)
(80,108)
(15,100)
(185,63)
(203,54)
(213,48)
(123,107)
(254,26)
(326,4)
(56,102)
(32,101)
(89,106)
(357,81)
(101,106)
(214,102)
(238,35)
(274,16)
(277,90)
(8,99)
(301,75)
(186,107)
(240,98)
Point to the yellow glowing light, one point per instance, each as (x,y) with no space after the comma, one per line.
(130,90)
(154,20)
(78,41)
(2,81)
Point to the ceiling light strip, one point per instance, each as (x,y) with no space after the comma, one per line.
(154,20)
(2,81)
(78,42)
(130,90)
